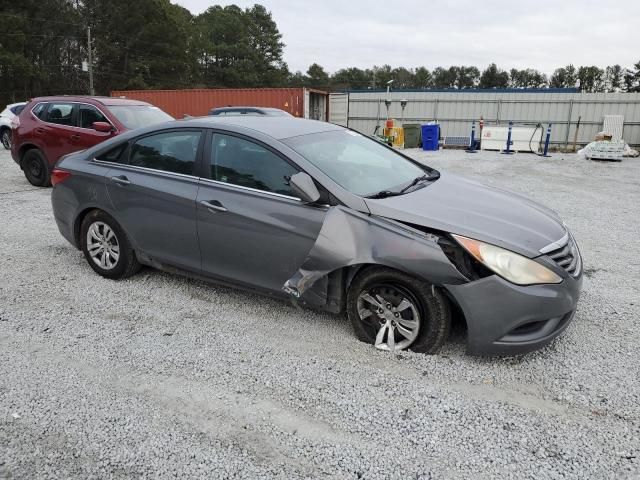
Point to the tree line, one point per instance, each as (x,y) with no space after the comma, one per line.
(590,79)
(146,44)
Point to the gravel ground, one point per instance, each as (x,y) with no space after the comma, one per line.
(163,376)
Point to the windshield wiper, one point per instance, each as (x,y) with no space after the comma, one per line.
(388,193)
(434,176)
(384,194)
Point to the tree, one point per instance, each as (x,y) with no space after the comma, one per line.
(632,79)
(422,78)
(614,78)
(444,78)
(493,77)
(239,48)
(352,78)
(564,77)
(317,76)
(527,78)
(591,79)
(467,77)
(382,75)
(402,78)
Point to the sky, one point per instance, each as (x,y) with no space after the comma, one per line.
(514,34)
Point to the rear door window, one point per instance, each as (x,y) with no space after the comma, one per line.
(90,114)
(114,155)
(40,111)
(170,152)
(60,114)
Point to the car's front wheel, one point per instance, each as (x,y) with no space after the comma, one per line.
(106,246)
(36,168)
(395,311)
(5,137)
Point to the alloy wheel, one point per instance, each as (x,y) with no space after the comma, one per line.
(6,139)
(391,313)
(102,245)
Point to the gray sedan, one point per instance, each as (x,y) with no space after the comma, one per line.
(330,219)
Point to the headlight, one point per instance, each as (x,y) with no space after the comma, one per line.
(509,265)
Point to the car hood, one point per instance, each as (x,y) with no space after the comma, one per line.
(458,205)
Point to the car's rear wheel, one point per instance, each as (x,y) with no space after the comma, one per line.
(36,168)
(5,137)
(106,246)
(395,311)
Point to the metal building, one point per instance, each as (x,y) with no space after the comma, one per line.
(456,110)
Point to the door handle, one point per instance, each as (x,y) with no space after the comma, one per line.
(75,136)
(39,130)
(213,205)
(120,180)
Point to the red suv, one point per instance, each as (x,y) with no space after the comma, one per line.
(50,127)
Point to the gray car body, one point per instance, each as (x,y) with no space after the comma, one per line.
(309,253)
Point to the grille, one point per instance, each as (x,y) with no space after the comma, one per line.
(567,257)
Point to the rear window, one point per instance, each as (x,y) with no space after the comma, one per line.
(17,109)
(137,116)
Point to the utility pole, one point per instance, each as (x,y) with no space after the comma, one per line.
(90,61)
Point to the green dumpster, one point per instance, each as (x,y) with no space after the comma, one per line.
(411,135)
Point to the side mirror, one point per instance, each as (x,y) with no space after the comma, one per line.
(303,186)
(102,127)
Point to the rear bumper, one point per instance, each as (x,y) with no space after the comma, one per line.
(507,319)
(64,213)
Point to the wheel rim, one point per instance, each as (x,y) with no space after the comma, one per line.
(102,245)
(391,314)
(35,168)
(6,140)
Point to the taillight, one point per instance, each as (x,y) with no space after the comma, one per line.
(59,176)
(15,122)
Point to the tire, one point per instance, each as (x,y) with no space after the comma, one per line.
(5,137)
(111,256)
(36,168)
(427,305)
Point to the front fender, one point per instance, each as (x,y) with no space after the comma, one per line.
(348,238)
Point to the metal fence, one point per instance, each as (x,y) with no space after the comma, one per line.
(455,111)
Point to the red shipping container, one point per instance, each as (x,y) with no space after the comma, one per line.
(300,102)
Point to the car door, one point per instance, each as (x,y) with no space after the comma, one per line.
(86,135)
(153,193)
(57,130)
(251,227)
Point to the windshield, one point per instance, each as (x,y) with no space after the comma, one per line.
(136,116)
(357,163)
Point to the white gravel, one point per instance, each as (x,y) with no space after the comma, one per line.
(165,377)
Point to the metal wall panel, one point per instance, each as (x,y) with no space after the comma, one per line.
(456,110)
(339,108)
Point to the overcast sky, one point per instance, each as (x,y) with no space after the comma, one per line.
(543,34)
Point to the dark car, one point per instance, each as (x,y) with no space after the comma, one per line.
(328,218)
(268,111)
(51,127)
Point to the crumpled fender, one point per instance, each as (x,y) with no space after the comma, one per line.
(348,238)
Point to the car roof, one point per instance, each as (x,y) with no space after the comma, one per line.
(108,101)
(276,127)
(247,107)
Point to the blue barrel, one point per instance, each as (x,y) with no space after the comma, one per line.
(430,136)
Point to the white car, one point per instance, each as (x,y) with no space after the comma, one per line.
(7,115)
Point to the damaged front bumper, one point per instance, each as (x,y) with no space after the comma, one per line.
(508,319)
